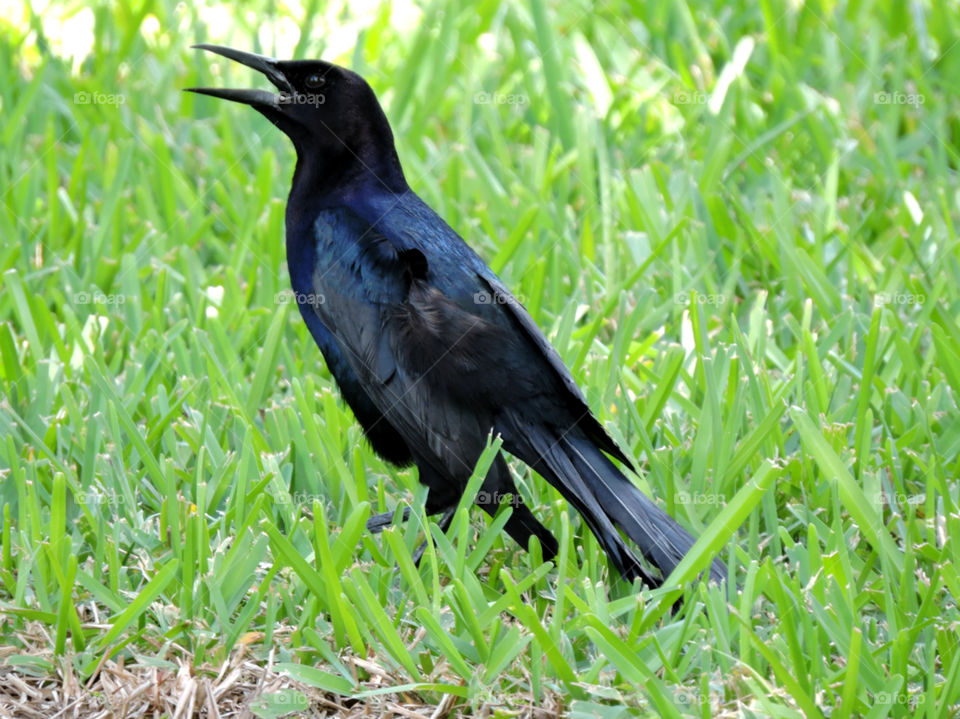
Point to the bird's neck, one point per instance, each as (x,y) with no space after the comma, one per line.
(336,176)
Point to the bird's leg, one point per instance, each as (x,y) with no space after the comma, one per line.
(443,523)
(378,522)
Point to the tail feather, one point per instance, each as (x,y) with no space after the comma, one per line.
(659,537)
(607,500)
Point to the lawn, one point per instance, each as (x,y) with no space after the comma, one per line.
(737,223)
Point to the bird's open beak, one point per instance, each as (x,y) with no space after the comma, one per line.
(257,98)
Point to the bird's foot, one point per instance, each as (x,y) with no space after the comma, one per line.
(378,522)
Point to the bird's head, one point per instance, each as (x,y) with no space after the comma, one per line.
(331,114)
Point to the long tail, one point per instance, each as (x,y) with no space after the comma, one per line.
(607,500)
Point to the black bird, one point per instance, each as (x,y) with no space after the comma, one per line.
(430,350)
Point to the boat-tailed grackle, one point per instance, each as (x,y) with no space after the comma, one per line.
(428,347)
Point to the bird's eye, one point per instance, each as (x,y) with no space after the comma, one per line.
(315,80)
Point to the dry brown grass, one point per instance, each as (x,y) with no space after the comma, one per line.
(123,690)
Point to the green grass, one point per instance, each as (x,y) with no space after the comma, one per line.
(736,222)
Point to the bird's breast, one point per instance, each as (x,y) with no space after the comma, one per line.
(352,260)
